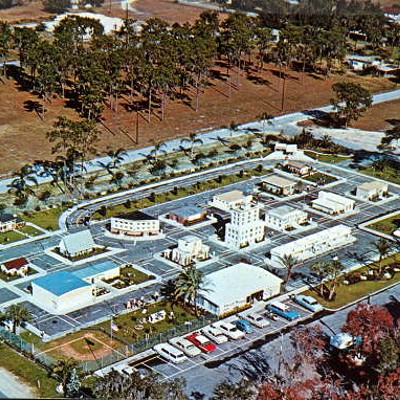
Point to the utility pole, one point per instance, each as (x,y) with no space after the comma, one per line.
(137,127)
(283,92)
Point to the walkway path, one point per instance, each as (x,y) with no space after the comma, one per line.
(355,139)
(12,387)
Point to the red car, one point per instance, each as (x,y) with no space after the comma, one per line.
(203,343)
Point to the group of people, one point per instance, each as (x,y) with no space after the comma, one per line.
(142,302)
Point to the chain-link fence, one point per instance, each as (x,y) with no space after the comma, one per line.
(16,341)
(147,343)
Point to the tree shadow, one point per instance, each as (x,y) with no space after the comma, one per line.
(324,119)
(393,121)
(31,105)
(258,80)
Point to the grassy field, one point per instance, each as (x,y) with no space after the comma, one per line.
(30,230)
(327,158)
(29,372)
(127,322)
(387,225)
(388,174)
(47,219)
(346,294)
(320,178)
(10,237)
(131,276)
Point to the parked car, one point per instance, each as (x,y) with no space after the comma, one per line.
(214,334)
(283,310)
(185,346)
(170,352)
(243,325)
(270,315)
(257,320)
(229,330)
(203,343)
(308,302)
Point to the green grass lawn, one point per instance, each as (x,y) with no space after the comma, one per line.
(320,177)
(388,174)
(127,322)
(86,345)
(133,276)
(10,237)
(30,230)
(31,338)
(387,225)
(29,372)
(346,294)
(47,219)
(327,158)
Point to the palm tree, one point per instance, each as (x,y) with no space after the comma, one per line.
(63,369)
(20,185)
(193,140)
(187,286)
(383,247)
(157,150)
(328,271)
(17,314)
(288,262)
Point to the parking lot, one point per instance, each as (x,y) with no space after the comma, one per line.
(151,361)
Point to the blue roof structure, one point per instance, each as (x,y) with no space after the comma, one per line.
(95,269)
(60,282)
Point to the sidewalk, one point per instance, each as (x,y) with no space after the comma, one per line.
(12,387)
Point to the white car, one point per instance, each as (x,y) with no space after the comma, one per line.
(257,320)
(170,352)
(185,346)
(229,330)
(214,334)
(308,302)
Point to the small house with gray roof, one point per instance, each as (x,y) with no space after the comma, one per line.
(77,244)
(9,222)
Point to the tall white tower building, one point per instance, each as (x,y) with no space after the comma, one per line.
(246,227)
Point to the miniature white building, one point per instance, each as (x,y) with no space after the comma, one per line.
(278,185)
(285,217)
(135,223)
(105,270)
(313,245)
(332,203)
(297,167)
(9,222)
(190,249)
(228,200)
(286,148)
(372,190)
(77,244)
(237,287)
(246,227)
(18,266)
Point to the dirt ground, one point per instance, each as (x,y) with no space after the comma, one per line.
(22,132)
(103,346)
(32,11)
(380,117)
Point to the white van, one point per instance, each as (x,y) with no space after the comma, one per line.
(170,352)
